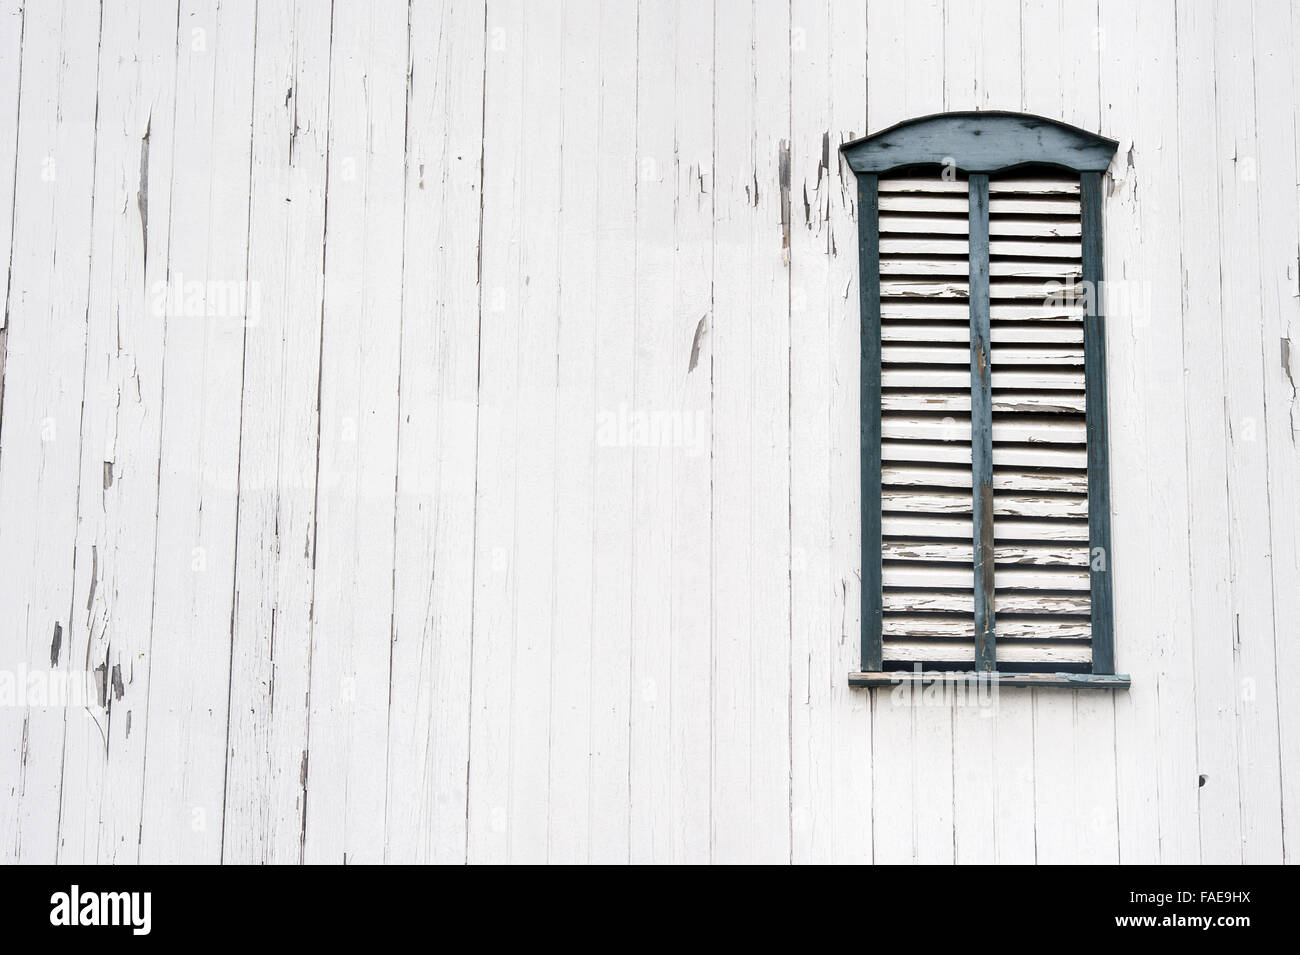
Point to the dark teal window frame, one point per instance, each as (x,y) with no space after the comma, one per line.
(980,144)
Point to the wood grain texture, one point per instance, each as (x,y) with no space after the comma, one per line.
(117,508)
(495,495)
(831,769)
(272,622)
(750,480)
(45,348)
(198,471)
(433,572)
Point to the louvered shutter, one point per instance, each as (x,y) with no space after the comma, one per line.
(986,509)
(1034,419)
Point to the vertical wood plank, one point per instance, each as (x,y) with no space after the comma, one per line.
(613,534)
(1276,77)
(831,760)
(571,693)
(816,172)
(851,726)
(189,665)
(356,475)
(906,59)
(690,623)
(1127,264)
(658,366)
(1211,625)
(266,751)
(1243,356)
(541,146)
(753,218)
(579,231)
(429,706)
(981,54)
(1168,509)
(981,415)
(495,531)
(118,490)
(44,341)
(1155,747)
(671,611)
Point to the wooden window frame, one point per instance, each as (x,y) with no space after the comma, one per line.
(980,144)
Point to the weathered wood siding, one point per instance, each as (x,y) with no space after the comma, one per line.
(488,486)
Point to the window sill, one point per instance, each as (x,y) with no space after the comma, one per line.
(1069,681)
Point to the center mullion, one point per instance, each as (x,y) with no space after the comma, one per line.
(981,420)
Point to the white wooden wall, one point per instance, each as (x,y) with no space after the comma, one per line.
(374,573)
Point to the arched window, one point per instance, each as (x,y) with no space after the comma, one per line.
(985,500)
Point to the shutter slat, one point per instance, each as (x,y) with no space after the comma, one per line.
(894,202)
(944,526)
(1047,334)
(922,245)
(1019,185)
(1008,505)
(1012,402)
(925,354)
(1007,429)
(905,288)
(904,576)
(1027,249)
(1043,457)
(943,601)
(931,225)
(1023,227)
(1041,555)
(953,625)
(958,268)
(1068,482)
(1032,269)
(1040,290)
(930,311)
(1034,228)
(1021,205)
(949,245)
(922,184)
(947,379)
(920,650)
(1029,186)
